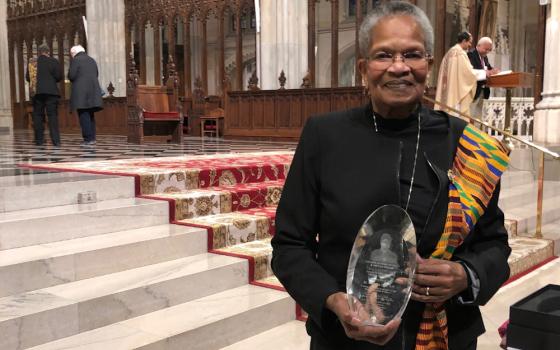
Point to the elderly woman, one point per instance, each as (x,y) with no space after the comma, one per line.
(86,92)
(445,174)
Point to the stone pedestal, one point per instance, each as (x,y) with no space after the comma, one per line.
(547,115)
(283,43)
(6,119)
(106,37)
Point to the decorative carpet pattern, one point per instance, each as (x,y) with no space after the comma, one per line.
(528,252)
(234,197)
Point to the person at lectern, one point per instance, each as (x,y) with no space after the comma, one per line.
(457,79)
(479,60)
(394,151)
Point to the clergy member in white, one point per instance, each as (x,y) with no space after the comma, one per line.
(456,86)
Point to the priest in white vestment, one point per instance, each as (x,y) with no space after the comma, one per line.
(456,86)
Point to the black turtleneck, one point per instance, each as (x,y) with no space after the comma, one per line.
(425,184)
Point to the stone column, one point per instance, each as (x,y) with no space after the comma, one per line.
(283,43)
(106,37)
(547,115)
(6,119)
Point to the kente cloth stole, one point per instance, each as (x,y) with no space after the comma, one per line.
(479,162)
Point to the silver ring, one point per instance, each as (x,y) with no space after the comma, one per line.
(427,291)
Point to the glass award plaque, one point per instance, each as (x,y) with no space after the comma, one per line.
(382,265)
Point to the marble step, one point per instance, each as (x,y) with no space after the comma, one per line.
(522,194)
(526,215)
(55,189)
(512,178)
(40,266)
(289,336)
(66,310)
(52,224)
(208,323)
(550,231)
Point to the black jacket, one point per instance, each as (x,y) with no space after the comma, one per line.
(48,74)
(342,170)
(86,92)
(474,57)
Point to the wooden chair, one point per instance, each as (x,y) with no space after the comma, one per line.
(212,122)
(154,110)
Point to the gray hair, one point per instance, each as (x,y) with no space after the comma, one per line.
(76,50)
(43,49)
(390,9)
(484,39)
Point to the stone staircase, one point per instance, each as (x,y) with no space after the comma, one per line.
(116,275)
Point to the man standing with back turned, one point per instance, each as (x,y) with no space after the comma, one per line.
(44,76)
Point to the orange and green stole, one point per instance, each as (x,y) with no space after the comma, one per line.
(479,162)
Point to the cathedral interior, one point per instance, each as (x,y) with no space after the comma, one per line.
(158,236)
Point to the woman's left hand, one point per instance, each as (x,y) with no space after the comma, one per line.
(438,280)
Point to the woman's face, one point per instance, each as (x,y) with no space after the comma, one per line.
(397,85)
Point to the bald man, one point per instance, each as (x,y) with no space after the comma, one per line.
(479,60)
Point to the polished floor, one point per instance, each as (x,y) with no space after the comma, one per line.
(19,149)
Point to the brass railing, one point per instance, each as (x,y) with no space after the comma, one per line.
(543,151)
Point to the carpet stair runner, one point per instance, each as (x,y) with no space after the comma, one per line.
(233,197)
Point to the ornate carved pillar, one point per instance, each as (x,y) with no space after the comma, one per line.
(334,43)
(284,43)
(439,40)
(311,40)
(106,33)
(128,42)
(547,115)
(221,48)
(21,77)
(60,58)
(171,37)
(359,18)
(6,120)
(187,56)
(157,52)
(204,55)
(239,48)
(141,35)
(150,54)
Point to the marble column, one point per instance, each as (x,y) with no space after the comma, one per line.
(106,37)
(283,43)
(547,115)
(150,54)
(6,119)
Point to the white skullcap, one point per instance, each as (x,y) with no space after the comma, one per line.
(76,50)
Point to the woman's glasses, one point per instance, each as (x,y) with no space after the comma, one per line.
(414,59)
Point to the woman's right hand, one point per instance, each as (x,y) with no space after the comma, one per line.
(380,335)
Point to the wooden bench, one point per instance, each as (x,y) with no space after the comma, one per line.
(154,110)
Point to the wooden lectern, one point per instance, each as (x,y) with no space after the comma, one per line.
(509,82)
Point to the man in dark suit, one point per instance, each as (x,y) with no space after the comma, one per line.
(43,78)
(479,60)
(86,92)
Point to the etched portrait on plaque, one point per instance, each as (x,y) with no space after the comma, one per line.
(381,266)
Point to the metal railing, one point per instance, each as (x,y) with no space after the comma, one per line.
(543,151)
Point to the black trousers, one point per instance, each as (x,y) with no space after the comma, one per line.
(87,123)
(48,104)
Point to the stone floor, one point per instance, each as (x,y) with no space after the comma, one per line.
(20,149)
